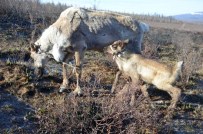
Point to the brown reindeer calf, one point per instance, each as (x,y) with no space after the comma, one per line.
(150,71)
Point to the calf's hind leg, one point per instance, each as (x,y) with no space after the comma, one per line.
(174,93)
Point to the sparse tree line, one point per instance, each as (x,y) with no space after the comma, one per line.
(36,8)
(33,6)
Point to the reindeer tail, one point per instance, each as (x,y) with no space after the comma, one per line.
(178,68)
(176,71)
(179,65)
(144,27)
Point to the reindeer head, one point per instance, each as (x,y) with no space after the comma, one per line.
(117,47)
(40,59)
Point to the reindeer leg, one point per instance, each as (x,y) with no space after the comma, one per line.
(146,95)
(174,93)
(78,60)
(118,74)
(64,85)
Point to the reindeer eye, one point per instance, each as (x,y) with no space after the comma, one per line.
(62,49)
(114,46)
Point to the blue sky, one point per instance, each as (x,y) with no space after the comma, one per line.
(162,7)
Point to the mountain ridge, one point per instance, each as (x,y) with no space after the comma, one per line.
(196,17)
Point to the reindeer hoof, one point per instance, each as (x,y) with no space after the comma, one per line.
(62,89)
(77,92)
(74,94)
(152,105)
(112,90)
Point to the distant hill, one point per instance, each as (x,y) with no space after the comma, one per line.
(196,17)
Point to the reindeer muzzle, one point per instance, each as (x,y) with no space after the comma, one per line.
(39,72)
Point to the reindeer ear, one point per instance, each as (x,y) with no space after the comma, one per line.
(126,41)
(115,44)
(70,49)
(33,47)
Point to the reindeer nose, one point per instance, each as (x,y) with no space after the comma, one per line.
(39,71)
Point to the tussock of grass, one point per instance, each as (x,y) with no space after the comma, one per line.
(101,115)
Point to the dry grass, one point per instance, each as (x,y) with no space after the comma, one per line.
(101,115)
(190,54)
(96,112)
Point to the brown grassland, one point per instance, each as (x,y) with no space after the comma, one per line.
(31,105)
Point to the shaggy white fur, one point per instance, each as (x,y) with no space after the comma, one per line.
(52,41)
